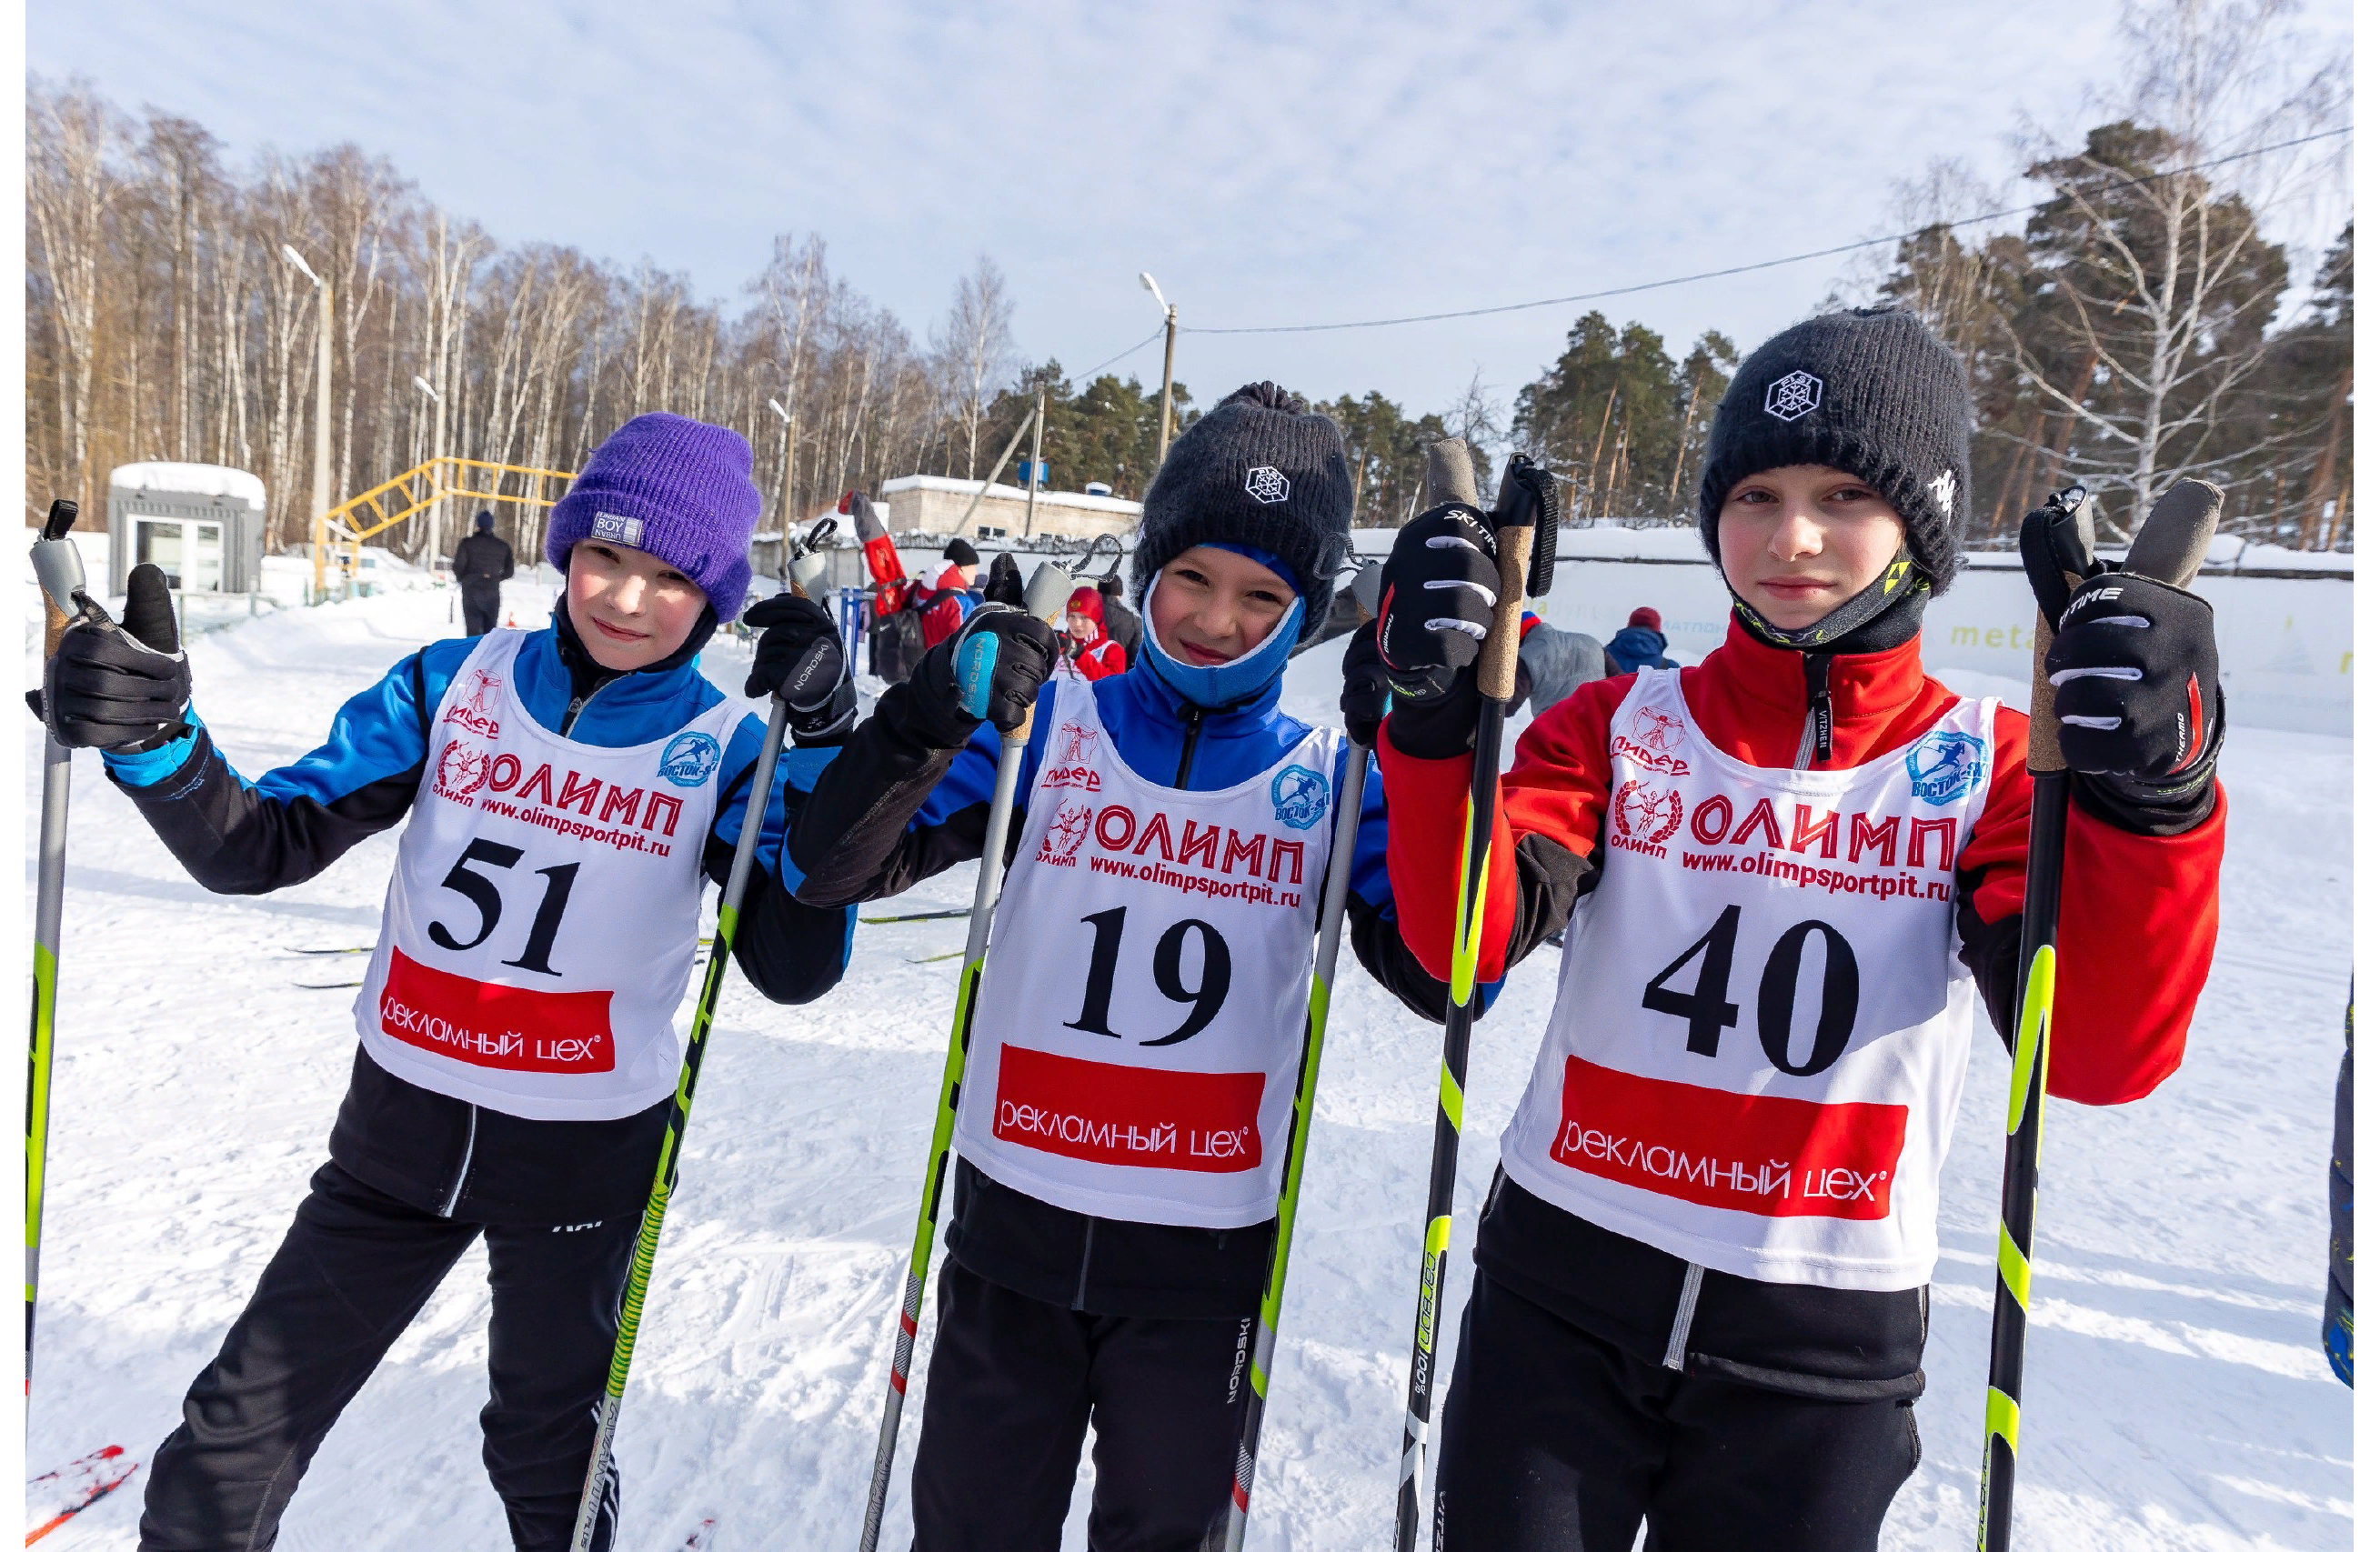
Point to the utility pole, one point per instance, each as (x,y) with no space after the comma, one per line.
(321,412)
(1165,393)
(1032,470)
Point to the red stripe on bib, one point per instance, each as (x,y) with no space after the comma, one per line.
(515,1028)
(1202,1121)
(1758,1153)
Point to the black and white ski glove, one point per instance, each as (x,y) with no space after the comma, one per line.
(121,687)
(799,659)
(994,669)
(2140,705)
(1437,599)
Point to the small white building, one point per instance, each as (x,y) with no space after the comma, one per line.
(200,524)
(931,503)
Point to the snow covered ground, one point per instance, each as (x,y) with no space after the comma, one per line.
(2176,1396)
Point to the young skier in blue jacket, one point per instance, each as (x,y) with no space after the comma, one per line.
(1135,1050)
(564,792)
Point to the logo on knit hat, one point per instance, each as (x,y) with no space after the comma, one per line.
(629,532)
(1944,489)
(1793,396)
(1268,484)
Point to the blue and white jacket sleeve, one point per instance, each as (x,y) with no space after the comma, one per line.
(235,836)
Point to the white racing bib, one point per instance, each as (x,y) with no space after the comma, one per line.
(1761,1028)
(1142,1011)
(542,922)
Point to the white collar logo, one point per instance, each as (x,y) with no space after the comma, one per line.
(1793,396)
(1267,485)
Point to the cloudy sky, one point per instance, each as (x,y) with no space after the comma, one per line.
(1272,163)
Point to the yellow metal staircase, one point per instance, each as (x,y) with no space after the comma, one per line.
(340,533)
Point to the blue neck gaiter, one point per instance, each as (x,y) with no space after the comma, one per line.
(1225,683)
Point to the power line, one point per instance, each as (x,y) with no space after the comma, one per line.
(1122,354)
(1735,269)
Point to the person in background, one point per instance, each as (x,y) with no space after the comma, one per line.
(482,562)
(1123,623)
(2339,1302)
(1641,645)
(1555,661)
(1003,583)
(1087,646)
(952,598)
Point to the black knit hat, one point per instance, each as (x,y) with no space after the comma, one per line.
(1261,471)
(1870,392)
(958,551)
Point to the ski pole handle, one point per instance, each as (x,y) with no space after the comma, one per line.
(1520,507)
(1045,600)
(2055,542)
(57,564)
(2174,537)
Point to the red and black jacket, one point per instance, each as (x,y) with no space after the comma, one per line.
(2139,912)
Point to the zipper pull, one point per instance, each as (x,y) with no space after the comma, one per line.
(1814,674)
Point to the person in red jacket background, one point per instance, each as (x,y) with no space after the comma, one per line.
(1787,875)
(946,605)
(1087,646)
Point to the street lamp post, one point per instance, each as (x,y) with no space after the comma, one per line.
(1165,394)
(321,409)
(437,451)
(785,489)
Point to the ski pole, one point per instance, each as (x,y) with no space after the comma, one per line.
(1317,1014)
(1045,597)
(2057,544)
(648,1236)
(1522,521)
(58,565)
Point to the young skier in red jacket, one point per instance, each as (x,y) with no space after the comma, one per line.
(1087,645)
(1788,878)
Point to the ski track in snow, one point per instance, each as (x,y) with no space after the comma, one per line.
(2176,1396)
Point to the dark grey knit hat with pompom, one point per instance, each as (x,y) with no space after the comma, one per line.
(1258,470)
(1870,392)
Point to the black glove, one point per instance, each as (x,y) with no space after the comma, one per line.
(799,657)
(1364,695)
(993,668)
(2139,703)
(1437,599)
(121,687)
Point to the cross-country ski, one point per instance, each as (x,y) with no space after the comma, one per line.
(56,1496)
(1644,842)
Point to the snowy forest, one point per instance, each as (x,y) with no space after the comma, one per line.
(2134,321)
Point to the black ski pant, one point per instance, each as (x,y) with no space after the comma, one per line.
(356,1268)
(1556,1441)
(1013,1384)
(483,605)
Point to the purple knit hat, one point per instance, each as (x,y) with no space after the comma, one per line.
(674,488)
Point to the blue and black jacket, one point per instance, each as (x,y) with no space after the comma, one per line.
(239,836)
(894,808)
